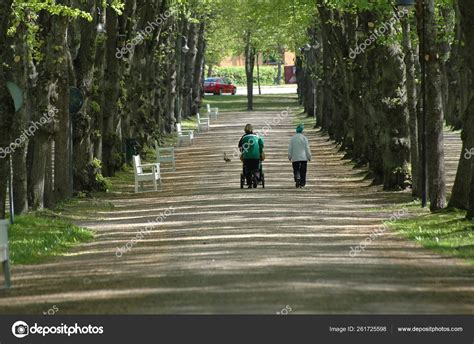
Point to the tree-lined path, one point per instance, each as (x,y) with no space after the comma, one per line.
(227,250)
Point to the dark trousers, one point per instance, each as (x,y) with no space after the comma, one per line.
(251,168)
(299,171)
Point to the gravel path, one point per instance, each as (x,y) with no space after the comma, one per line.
(227,250)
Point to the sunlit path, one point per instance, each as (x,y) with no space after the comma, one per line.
(227,250)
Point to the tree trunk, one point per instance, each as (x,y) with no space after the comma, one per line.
(258,75)
(327,70)
(20,122)
(395,125)
(49,199)
(46,95)
(411,105)
(63,149)
(172,74)
(83,122)
(111,140)
(189,69)
(249,66)
(434,107)
(446,14)
(198,71)
(6,102)
(463,193)
(180,67)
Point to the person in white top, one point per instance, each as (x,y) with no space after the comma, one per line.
(299,154)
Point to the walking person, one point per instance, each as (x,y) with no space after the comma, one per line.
(299,154)
(251,154)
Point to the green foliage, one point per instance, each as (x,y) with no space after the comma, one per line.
(96,163)
(26,13)
(117,5)
(35,237)
(94,180)
(95,107)
(218,43)
(237,75)
(103,183)
(24,9)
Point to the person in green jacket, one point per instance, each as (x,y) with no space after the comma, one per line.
(251,152)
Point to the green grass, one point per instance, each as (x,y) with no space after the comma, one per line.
(446,232)
(122,178)
(36,237)
(266,102)
(414,207)
(80,207)
(301,117)
(166,140)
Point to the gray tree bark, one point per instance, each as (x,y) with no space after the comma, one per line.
(62,138)
(6,102)
(411,95)
(463,193)
(249,67)
(434,108)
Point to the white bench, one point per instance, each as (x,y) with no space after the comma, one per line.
(141,176)
(4,254)
(212,112)
(203,122)
(165,155)
(184,135)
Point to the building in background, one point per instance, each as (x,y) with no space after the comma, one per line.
(285,64)
(288,59)
(282,63)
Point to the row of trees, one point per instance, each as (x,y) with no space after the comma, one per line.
(137,66)
(364,61)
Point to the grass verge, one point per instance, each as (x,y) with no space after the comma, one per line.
(446,232)
(302,118)
(35,237)
(265,102)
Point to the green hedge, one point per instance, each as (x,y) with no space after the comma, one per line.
(268,74)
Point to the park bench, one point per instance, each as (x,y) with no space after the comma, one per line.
(141,176)
(4,259)
(165,155)
(184,135)
(212,112)
(203,122)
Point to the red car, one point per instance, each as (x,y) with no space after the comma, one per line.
(219,86)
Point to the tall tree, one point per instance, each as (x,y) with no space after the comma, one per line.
(111,118)
(411,95)
(428,36)
(62,138)
(6,102)
(466,167)
(249,67)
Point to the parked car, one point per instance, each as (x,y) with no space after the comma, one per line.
(219,86)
